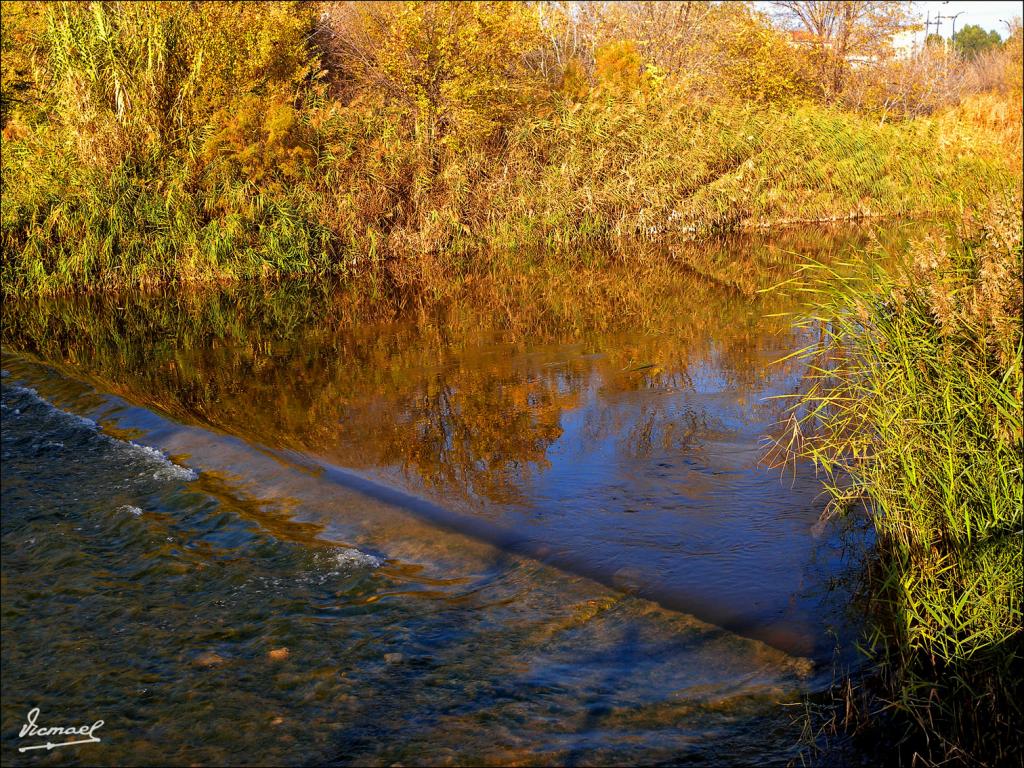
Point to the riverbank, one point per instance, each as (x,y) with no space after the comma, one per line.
(132,226)
(122,172)
(916,412)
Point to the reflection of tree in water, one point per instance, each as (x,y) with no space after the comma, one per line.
(484,435)
(468,404)
(668,430)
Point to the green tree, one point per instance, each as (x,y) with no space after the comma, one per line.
(972,40)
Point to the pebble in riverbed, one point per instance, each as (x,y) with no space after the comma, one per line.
(209,659)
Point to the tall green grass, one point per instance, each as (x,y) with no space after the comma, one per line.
(914,408)
(109,232)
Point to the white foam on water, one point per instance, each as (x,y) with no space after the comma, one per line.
(20,390)
(165,469)
(349,557)
(134,511)
(329,564)
(52,410)
(342,561)
(161,467)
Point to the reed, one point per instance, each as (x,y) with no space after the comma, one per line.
(914,410)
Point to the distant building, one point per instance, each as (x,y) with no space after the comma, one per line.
(904,45)
(800,38)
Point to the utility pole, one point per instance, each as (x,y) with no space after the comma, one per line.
(954,24)
(940,18)
(938,21)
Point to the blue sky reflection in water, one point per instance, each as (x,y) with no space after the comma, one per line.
(598,472)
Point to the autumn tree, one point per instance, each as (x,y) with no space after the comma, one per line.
(665,33)
(570,40)
(845,31)
(747,59)
(448,64)
(707,50)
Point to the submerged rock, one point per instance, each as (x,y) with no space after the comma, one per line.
(209,659)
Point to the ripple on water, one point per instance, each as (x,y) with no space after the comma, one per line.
(180,631)
(56,429)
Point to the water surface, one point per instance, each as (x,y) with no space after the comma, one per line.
(517,524)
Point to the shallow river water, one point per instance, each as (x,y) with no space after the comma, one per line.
(524,525)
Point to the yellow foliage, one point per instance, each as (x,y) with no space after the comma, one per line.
(454,67)
(251,47)
(21,28)
(127,79)
(434,128)
(575,84)
(757,62)
(620,69)
(265,144)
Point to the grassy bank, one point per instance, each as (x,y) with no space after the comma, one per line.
(561,180)
(150,143)
(916,412)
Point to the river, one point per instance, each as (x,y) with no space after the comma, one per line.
(523,524)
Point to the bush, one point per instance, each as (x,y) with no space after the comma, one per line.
(1000,69)
(263,143)
(922,84)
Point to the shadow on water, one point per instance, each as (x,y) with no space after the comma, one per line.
(596,706)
